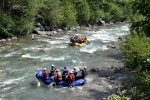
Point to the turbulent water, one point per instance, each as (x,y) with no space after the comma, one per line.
(22,58)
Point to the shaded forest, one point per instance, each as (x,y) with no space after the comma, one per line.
(19,17)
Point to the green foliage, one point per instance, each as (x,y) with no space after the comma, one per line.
(141,16)
(139,87)
(50,13)
(23,25)
(109,10)
(116,97)
(6,25)
(137,52)
(96,13)
(137,57)
(114,12)
(22,14)
(69,15)
(83,12)
(24,21)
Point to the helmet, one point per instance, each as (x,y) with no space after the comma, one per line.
(57,70)
(53,65)
(65,67)
(74,68)
(44,69)
(85,67)
(71,72)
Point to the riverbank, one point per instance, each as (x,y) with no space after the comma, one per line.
(108,75)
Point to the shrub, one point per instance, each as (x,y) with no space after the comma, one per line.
(6,25)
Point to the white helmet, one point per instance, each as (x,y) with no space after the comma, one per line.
(71,72)
(85,67)
(57,70)
(53,65)
(44,68)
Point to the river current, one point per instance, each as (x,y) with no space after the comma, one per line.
(20,59)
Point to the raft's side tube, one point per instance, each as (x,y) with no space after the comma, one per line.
(62,83)
(49,80)
(39,76)
(78,82)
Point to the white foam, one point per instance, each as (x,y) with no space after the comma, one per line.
(89,79)
(12,54)
(104,47)
(55,42)
(52,58)
(12,81)
(36,48)
(5,89)
(104,37)
(61,46)
(125,28)
(92,49)
(74,61)
(29,56)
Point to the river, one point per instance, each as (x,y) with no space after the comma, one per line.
(20,59)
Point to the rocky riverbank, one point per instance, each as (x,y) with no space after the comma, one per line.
(109,75)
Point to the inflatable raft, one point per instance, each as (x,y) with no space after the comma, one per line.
(77,44)
(50,80)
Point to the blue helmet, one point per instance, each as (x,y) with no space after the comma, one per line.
(65,67)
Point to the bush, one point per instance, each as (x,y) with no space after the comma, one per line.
(137,57)
(6,25)
(69,15)
(137,52)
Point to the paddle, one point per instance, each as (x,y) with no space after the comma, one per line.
(88,42)
(38,84)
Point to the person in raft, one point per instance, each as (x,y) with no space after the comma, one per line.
(53,70)
(58,76)
(65,72)
(84,72)
(46,74)
(75,72)
(71,78)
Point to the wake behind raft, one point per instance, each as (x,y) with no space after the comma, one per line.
(50,80)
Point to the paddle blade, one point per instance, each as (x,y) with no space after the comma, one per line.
(38,84)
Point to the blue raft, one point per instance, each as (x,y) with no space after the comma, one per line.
(49,80)
(39,76)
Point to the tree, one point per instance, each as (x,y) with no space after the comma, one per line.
(83,12)
(69,15)
(50,13)
(6,25)
(141,16)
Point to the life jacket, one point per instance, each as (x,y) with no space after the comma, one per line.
(85,39)
(71,39)
(58,76)
(53,71)
(46,74)
(71,78)
(81,40)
